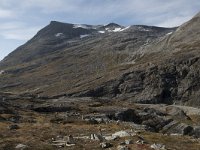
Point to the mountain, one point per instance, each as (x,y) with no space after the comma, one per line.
(143,64)
(79,86)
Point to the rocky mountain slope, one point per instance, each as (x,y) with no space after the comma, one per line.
(139,63)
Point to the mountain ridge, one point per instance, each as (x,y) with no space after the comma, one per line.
(144,64)
(49,32)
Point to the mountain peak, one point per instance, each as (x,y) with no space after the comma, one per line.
(57,23)
(54,22)
(113,25)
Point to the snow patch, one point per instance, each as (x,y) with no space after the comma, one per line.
(81,26)
(117,29)
(169,33)
(125,28)
(59,35)
(101,31)
(85,35)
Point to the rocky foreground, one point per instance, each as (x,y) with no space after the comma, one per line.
(88,123)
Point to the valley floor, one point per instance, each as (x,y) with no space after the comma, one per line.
(87,123)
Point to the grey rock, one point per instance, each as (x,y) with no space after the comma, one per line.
(70,140)
(97,137)
(21,146)
(121,134)
(138,127)
(182,129)
(169,126)
(147,119)
(95,119)
(15,119)
(158,146)
(178,112)
(196,132)
(110,138)
(156,123)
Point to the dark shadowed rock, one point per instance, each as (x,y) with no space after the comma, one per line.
(105,145)
(153,119)
(182,129)
(13,127)
(50,109)
(128,115)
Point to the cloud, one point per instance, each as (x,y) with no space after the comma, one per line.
(27,13)
(17,31)
(173,22)
(20,34)
(6,13)
(96,11)
(11,25)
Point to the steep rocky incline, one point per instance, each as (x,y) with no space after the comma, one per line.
(143,64)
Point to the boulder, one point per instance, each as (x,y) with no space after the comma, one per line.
(121,134)
(158,146)
(141,142)
(196,132)
(156,123)
(97,137)
(151,119)
(105,145)
(169,126)
(177,112)
(182,129)
(96,119)
(13,127)
(21,146)
(110,138)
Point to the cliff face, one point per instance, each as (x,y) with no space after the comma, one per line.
(141,63)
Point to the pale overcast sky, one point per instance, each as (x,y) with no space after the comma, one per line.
(21,19)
